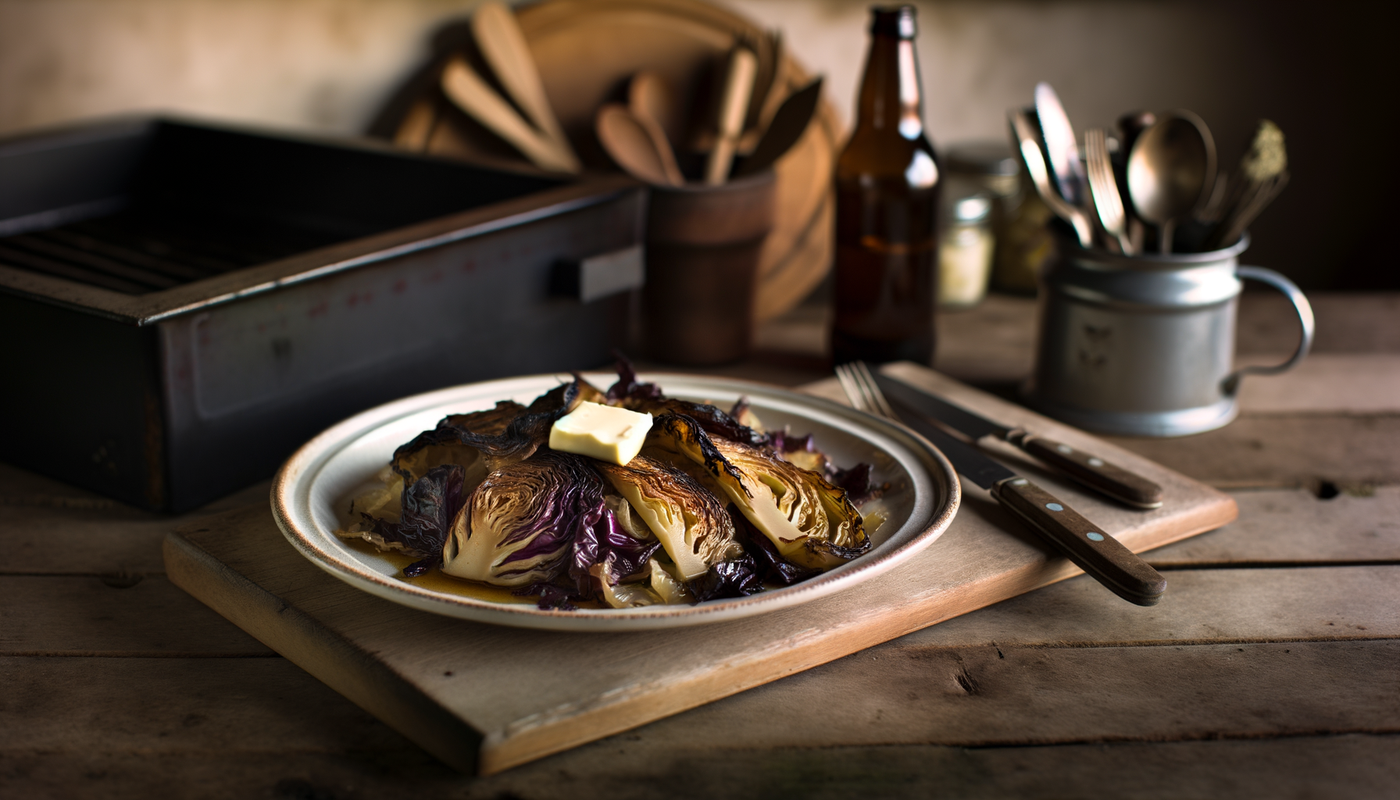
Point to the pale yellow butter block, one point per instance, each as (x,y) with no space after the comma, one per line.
(606,433)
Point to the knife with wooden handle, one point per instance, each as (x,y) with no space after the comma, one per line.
(1090,547)
(1096,473)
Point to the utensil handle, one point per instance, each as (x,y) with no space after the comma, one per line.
(734,102)
(1089,547)
(503,43)
(473,95)
(1301,306)
(1094,472)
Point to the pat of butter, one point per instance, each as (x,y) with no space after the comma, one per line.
(606,433)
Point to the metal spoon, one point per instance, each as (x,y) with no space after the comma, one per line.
(1171,172)
(1130,127)
(1024,133)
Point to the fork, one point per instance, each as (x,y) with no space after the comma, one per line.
(1103,189)
(861,389)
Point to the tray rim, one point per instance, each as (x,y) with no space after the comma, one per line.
(572,193)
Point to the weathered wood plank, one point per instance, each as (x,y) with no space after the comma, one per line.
(1325,383)
(1295,526)
(1000,696)
(630,767)
(86,617)
(178,705)
(51,528)
(1347,322)
(910,695)
(1278,450)
(1205,606)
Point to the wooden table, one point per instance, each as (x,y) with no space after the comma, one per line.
(1272,669)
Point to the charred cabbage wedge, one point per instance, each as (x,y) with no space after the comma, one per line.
(713,507)
(687,518)
(810,521)
(519,524)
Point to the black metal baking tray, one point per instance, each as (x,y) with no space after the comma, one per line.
(186,303)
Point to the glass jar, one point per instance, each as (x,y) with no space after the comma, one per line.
(1023,243)
(965,250)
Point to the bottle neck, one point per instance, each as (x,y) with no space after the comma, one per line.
(890,94)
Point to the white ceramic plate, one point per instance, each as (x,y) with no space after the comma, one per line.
(311,498)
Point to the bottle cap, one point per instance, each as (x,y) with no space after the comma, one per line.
(893,21)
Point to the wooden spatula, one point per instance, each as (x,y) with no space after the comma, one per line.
(472,94)
(503,45)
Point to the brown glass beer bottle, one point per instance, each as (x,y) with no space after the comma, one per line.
(888,185)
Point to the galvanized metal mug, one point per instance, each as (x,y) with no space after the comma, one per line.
(1144,345)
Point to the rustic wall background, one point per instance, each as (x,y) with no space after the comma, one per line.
(327,65)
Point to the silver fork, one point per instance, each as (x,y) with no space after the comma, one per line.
(860,388)
(1104,189)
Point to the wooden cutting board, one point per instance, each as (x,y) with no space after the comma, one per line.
(484,698)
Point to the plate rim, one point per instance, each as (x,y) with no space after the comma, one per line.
(291,485)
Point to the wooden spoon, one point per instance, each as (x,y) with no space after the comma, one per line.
(648,97)
(467,89)
(503,45)
(637,145)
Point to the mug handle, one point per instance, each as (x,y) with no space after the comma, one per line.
(1231,384)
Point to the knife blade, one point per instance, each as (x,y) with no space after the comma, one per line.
(1090,547)
(1096,473)
(1060,144)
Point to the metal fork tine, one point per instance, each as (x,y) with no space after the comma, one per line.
(877,397)
(860,387)
(849,386)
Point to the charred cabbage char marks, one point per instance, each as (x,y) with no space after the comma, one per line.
(519,525)
(523,434)
(811,522)
(422,520)
(688,519)
(648,397)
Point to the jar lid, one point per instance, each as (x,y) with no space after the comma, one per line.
(972,208)
(986,157)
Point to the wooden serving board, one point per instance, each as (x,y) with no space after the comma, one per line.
(484,698)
